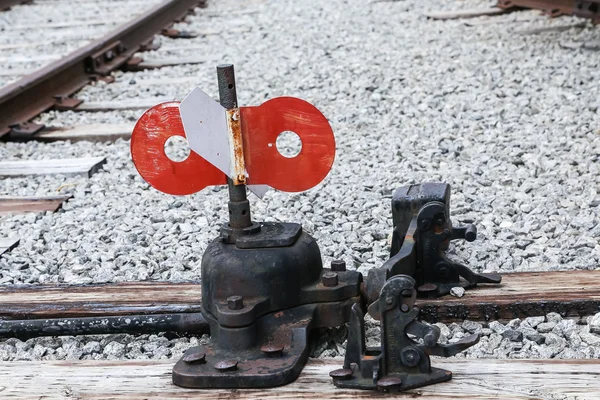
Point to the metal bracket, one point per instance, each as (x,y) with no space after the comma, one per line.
(107,59)
(422,232)
(278,357)
(401,363)
(65,103)
(24,131)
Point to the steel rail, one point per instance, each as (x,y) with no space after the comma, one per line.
(50,86)
(181,323)
(581,8)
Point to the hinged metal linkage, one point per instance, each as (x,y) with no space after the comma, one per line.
(401,362)
(422,232)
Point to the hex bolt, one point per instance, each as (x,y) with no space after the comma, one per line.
(330,279)
(338,265)
(226,365)
(196,356)
(235,302)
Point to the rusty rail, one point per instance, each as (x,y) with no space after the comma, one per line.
(554,8)
(52,85)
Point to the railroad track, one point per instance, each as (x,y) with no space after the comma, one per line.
(53,85)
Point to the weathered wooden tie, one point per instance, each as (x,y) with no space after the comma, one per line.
(67,166)
(21,205)
(128,380)
(91,133)
(65,301)
(467,13)
(522,294)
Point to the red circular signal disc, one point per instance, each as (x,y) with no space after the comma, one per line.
(148,139)
(265,165)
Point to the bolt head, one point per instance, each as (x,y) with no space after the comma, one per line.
(389,382)
(194,357)
(226,365)
(272,349)
(330,279)
(404,308)
(235,302)
(410,357)
(338,265)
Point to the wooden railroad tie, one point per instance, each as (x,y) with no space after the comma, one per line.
(20,205)
(522,294)
(467,13)
(68,166)
(144,379)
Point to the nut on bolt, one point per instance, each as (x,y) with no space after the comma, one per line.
(330,279)
(338,265)
(235,302)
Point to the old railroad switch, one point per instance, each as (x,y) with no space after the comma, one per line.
(264,287)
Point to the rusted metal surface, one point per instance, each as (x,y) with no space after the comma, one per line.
(7,4)
(28,97)
(236,146)
(554,8)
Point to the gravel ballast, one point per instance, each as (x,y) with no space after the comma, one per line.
(511,121)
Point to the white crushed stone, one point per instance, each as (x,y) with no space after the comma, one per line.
(511,121)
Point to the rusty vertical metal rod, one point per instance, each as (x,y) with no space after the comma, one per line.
(239,207)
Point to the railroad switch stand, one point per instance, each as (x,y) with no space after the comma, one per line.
(264,287)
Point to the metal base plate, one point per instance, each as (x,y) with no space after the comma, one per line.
(257,367)
(411,381)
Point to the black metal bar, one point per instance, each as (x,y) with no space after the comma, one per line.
(184,323)
(239,207)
